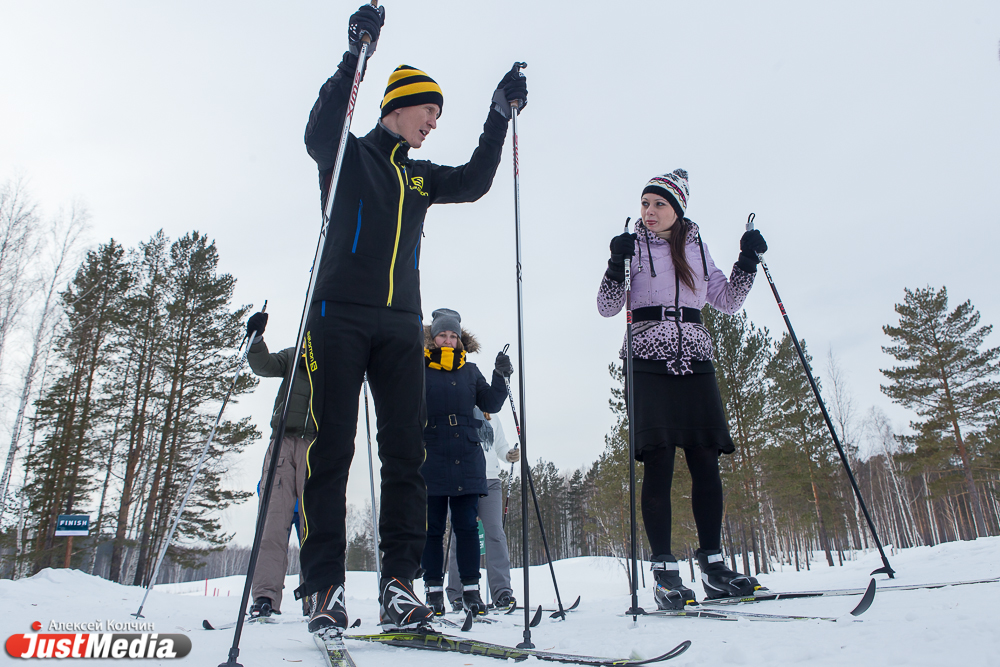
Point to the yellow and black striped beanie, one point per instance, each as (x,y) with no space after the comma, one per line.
(409,87)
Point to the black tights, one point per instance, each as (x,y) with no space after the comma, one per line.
(706,496)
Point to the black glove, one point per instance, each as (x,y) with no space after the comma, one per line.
(513,86)
(751,244)
(369,20)
(503,365)
(622,246)
(257,323)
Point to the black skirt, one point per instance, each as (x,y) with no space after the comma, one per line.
(680,411)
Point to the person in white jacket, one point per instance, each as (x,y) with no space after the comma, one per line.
(497,449)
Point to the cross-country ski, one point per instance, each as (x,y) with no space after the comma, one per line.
(446,643)
(335,651)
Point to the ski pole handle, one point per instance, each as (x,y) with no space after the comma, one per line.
(263,309)
(510,395)
(365,37)
(760,256)
(249,337)
(516,104)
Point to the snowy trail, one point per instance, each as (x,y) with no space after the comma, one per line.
(919,627)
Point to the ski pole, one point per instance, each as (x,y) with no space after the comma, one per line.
(635,610)
(371,478)
(197,469)
(510,477)
(886,569)
(510,484)
(234,650)
(561,613)
(514,109)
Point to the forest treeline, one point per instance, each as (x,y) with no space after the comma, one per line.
(114,362)
(131,352)
(787,492)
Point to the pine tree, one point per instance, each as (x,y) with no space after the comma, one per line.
(140,331)
(800,460)
(196,364)
(60,467)
(945,376)
(742,352)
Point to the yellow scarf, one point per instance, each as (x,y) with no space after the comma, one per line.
(444,358)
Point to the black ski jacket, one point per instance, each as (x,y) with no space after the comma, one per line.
(455,464)
(372,251)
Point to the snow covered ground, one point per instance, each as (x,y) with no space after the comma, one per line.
(946,626)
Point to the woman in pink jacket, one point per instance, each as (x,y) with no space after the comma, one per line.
(677,401)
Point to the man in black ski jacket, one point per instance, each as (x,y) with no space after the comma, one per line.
(365,317)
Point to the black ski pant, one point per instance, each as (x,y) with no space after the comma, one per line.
(343,341)
(706,496)
(464,510)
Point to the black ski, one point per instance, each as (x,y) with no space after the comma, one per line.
(698,611)
(334,651)
(573,606)
(271,620)
(733,615)
(439,642)
(536,618)
(836,592)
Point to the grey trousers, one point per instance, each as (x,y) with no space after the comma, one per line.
(497,557)
(289,478)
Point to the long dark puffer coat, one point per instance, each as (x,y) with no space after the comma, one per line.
(455,465)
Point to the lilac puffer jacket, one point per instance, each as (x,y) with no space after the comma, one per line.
(675,343)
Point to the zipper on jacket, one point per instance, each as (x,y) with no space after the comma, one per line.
(357,232)
(399,221)
(680,330)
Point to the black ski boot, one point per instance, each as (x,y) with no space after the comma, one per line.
(435,596)
(400,608)
(471,599)
(721,582)
(504,601)
(329,615)
(262,608)
(669,590)
(457,606)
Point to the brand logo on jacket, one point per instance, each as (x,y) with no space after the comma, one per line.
(417,183)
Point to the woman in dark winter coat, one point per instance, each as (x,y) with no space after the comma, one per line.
(676,400)
(455,469)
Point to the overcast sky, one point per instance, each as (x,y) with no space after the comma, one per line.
(865,136)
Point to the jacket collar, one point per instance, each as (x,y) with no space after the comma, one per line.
(385,139)
(646,235)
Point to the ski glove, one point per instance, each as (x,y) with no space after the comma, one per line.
(369,20)
(513,456)
(622,246)
(751,244)
(257,323)
(513,86)
(503,365)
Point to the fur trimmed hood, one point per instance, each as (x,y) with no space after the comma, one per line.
(469,342)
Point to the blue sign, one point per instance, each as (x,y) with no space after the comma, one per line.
(73,525)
